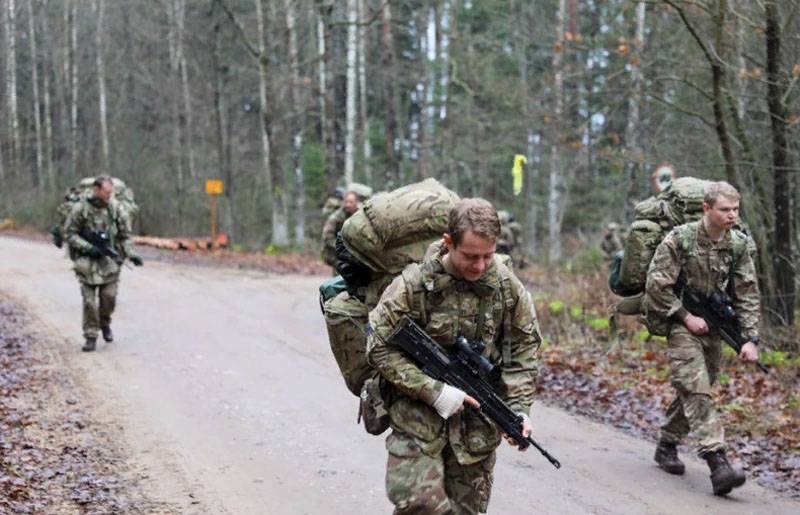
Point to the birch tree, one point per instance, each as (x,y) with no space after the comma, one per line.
(73,81)
(11,82)
(555,203)
(295,123)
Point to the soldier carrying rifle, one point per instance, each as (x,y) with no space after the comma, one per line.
(702,257)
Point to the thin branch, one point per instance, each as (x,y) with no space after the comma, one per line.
(681,109)
(240,30)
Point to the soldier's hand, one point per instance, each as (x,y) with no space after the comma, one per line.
(749,352)
(527,428)
(94,252)
(695,325)
(136,260)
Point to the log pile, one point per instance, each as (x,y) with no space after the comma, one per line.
(190,244)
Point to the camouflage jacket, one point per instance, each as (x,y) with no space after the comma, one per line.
(612,242)
(332,227)
(111,219)
(447,307)
(688,252)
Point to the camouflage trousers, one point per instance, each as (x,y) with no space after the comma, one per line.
(417,483)
(695,362)
(98,305)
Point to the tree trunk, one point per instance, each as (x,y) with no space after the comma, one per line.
(296,130)
(176,158)
(101,85)
(11,84)
(275,189)
(530,205)
(48,117)
(350,117)
(633,149)
(188,117)
(73,80)
(327,92)
(555,203)
(362,90)
(390,117)
(37,105)
(783,308)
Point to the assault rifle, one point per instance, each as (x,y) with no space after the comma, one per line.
(717,310)
(100,240)
(466,369)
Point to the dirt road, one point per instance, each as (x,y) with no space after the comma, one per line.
(223,390)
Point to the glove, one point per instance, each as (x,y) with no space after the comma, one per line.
(94,252)
(449,401)
(136,260)
(58,239)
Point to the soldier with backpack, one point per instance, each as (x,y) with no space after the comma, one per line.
(705,256)
(442,448)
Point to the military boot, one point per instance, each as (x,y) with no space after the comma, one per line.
(89,345)
(724,478)
(667,458)
(107,334)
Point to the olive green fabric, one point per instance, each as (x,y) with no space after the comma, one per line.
(394,229)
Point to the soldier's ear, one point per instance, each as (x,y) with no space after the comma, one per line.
(448,241)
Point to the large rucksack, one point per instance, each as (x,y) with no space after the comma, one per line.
(680,203)
(390,231)
(122,193)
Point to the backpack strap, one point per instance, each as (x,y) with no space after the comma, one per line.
(507,299)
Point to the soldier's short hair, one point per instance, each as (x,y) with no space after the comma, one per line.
(719,189)
(476,215)
(102,179)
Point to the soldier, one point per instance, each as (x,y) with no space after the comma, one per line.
(333,202)
(97,217)
(708,254)
(612,241)
(333,225)
(441,450)
(510,240)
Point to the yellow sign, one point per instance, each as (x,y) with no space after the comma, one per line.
(214,186)
(516,172)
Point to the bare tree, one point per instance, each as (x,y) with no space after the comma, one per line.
(362,89)
(37,105)
(633,149)
(781,163)
(72,6)
(275,191)
(296,123)
(350,117)
(389,80)
(11,81)
(99,7)
(48,116)
(556,202)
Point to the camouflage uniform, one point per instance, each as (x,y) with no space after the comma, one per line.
(612,242)
(98,277)
(445,466)
(705,265)
(332,227)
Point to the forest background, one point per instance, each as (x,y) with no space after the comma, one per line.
(286,99)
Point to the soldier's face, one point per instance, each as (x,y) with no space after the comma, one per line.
(473,255)
(350,203)
(104,192)
(723,214)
